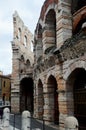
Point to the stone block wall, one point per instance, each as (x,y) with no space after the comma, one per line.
(21,60)
(63,58)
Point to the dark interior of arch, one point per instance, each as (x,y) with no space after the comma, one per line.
(77,4)
(52,85)
(77,81)
(26,94)
(79,26)
(40,99)
(79,91)
(80,80)
(51,17)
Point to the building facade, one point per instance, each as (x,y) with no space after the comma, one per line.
(60,62)
(5,90)
(59,71)
(22,67)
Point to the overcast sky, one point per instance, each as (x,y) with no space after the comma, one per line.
(29,11)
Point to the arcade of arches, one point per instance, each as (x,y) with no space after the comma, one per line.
(54,102)
(48,101)
(56,78)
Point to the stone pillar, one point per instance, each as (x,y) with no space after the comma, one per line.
(48,105)
(39,50)
(6,117)
(63,21)
(45,103)
(65,101)
(71,123)
(15,79)
(36,100)
(26,120)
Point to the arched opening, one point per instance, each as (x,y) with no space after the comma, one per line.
(25,40)
(76,85)
(50,31)
(53,99)
(22,64)
(26,94)
(19,34)
(40,100)
(27,63)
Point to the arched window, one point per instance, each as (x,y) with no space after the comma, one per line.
(22,64)
(25,40)
(22,58)
(49,33)
(27,64)
(19,34)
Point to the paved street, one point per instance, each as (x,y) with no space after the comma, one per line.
(15,121)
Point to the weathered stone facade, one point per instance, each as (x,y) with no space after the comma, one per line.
(23,59)
(59,70)
(60,62)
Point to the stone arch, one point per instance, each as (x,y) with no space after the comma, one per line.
(26,94)
(40,100)
(73,66)
(47,4)
(76,95)
(52,99)
(50,7)
(49,33)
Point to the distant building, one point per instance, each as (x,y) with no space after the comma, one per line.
(22,68)
(5,90)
